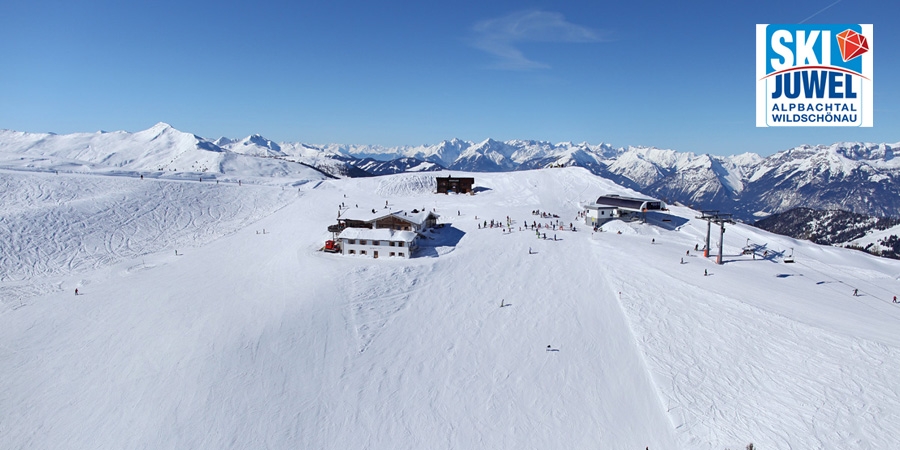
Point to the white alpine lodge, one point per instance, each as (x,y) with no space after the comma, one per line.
(382,233)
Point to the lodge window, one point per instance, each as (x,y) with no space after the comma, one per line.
(400,254)
(362,252)
(351,241)
(392,253)
(376,243)
(399,244)
(362,242)
(352,252)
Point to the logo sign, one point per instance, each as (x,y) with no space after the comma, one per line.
(814,75)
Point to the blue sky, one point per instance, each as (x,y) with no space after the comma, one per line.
(675,75)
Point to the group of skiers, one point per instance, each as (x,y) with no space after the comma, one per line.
(533,226)
(552,226)
(544,214)
(497,224)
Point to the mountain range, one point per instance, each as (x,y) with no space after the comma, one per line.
(877,235)
(855,176)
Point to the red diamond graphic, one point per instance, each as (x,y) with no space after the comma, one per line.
(852,44)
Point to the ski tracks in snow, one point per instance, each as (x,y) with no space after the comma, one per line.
(66,224)
(376,295)
(724,388)
(406,185)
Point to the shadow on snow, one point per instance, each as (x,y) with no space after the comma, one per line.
(445,236)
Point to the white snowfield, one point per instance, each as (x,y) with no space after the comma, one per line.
(251,338)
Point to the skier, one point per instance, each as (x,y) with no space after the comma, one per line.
(687,253)
(705,273)
(856,292)
(529,252)
(682,260)
(895,299)
(76,293)
(653,241)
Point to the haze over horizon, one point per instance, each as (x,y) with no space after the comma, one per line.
(654,74)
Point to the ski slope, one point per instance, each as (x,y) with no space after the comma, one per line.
(252,339)
(68,224)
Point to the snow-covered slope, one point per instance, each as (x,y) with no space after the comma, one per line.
(158,151)
(884,242)
(251,338)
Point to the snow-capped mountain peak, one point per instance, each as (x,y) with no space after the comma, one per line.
(255,145)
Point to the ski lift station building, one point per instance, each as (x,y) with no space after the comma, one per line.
(609,207)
